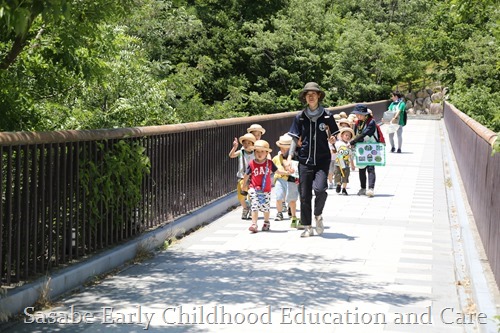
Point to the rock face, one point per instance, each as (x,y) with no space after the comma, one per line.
(426,101)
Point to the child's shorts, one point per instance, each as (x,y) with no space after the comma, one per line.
(292,193)
(285,190)
(280,189)
(238,190)
(338,175)
(260,202)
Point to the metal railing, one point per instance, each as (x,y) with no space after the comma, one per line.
(64,197)
(480,173)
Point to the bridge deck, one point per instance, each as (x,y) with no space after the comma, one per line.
(392,263)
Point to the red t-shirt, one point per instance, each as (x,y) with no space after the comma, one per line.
(257,171)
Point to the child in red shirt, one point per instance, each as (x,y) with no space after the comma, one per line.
(259,172)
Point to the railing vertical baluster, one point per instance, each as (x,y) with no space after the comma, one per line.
(57,203)
(64,202)
(149,190)
(77,193)
(84,216)
(17,214)
(43,207)
(71,231)
(25,213)
(34,208)
(50,205)
(8,216)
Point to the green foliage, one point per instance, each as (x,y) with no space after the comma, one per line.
(495,146)
(114,181)
(85,66)
(475,88)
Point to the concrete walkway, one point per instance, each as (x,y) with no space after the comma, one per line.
(391,263)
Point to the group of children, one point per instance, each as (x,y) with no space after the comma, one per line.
(255,170)
(254,178)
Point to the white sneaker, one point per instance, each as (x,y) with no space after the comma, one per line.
(308,231)
(369,193)
(319,224)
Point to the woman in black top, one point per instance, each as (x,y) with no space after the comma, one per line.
(313,127)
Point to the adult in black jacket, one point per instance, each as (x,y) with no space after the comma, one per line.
(363,128)
(313,127)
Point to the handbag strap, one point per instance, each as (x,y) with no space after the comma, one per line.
(265,175)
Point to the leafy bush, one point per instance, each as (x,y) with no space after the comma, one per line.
(114,181)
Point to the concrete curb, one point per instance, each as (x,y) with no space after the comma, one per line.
(16,300)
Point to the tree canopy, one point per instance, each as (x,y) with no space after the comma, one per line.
(123,63)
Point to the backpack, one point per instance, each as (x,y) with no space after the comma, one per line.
(378,135)
(405,118)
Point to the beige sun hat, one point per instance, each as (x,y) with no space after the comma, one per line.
(256,127)
(347,129)
(248,137)
(343,114)
(284,141)
(344,121)
(262,145)
(336,116)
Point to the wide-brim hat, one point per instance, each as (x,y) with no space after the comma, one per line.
(311,86)
(343,114)
(284,141)
(248,137)
(256,127)
(347,129)
(360,109)
(262,145)
(344,121)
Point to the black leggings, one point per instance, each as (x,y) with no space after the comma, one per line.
(371,176)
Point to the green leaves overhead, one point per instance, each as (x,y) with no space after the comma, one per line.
(85,64)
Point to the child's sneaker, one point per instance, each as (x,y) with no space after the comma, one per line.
(337,189)
(266,226)
(284,208)
(344,191)
(279,217)
(294,222)
(245,214)
(254,228)
(289,212)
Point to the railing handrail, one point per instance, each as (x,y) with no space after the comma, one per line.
(26,137)
(482,131)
